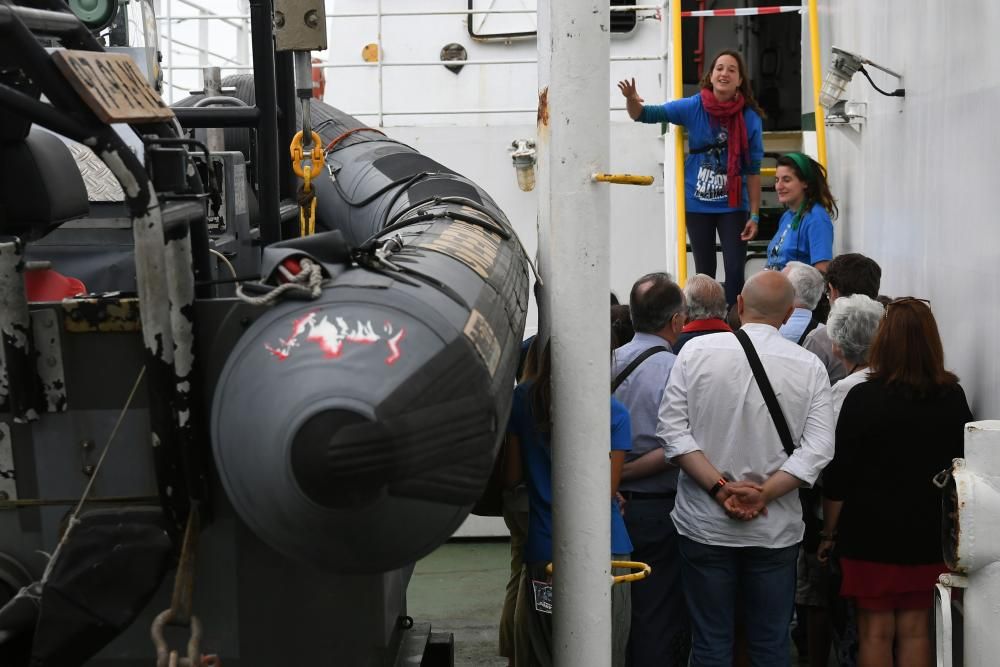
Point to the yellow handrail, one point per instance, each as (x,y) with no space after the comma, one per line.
(814,47)
(623,179)
(644,571)
(678,92)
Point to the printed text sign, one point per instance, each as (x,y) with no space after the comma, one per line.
(112,86)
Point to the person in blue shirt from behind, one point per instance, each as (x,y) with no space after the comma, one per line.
(805,231)
(722,169)
(529,433)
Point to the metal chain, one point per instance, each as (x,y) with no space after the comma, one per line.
(179,613)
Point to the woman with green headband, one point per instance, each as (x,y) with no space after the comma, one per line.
(805,232)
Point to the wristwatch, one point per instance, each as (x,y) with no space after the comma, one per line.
(714,491)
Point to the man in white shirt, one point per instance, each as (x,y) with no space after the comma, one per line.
(739,521)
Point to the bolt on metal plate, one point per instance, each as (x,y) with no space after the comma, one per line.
(299,25)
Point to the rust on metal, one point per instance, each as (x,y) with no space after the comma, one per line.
(543,107)
(102,315)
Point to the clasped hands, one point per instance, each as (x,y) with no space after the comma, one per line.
(744,500)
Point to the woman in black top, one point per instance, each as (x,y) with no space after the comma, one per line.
(895,432)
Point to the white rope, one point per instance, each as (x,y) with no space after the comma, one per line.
(74,517)
(225,260)
(308,281)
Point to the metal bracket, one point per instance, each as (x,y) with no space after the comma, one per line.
(299,25)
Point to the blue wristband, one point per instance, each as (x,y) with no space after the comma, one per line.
(755,218)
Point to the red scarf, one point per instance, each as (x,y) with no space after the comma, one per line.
(711,324)
(730,116)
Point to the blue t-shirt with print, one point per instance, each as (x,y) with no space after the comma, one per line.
(812,242)
(705,174)
(536,455)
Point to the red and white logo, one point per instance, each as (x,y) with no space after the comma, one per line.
(331,336)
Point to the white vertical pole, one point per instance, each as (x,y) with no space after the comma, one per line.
(574,52)
(669,148)
(378,41)
(170,49)
(242,35)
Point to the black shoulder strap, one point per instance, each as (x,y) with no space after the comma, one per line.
(767,392)
(646,354)
(813,323)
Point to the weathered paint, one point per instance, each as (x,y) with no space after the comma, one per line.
(49,359)
(102,315)
(975,540)
(180,289)
(8,476)
(21,387)
(14,320)
(543,108)
(127,180)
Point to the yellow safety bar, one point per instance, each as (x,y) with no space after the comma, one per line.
(817,82)
(644,570)
(678,93)
(623,179)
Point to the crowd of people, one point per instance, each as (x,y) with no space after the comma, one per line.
(760,444)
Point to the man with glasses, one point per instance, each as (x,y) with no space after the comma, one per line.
(659,632)
(847,274)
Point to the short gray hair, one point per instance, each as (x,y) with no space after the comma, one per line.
(808,283)
(852,324)
(705,298)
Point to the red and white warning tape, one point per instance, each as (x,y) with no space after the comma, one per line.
(746,11)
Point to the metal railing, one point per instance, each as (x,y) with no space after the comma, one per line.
(169,67)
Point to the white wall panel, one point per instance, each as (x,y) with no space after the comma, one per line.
(918,185)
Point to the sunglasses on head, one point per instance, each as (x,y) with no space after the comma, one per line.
(909,299)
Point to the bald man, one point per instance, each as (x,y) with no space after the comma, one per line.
(737,516)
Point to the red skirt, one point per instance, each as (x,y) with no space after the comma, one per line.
(887,586)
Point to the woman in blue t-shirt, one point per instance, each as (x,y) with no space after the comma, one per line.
(529,434)
(805,232)
(725,147)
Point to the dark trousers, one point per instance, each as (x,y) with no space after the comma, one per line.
(701,229)
(660,634)
(755,585)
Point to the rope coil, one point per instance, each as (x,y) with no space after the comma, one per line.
(308,283)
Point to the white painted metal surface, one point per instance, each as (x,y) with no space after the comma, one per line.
(573,70)
(917,184)
(977,488)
